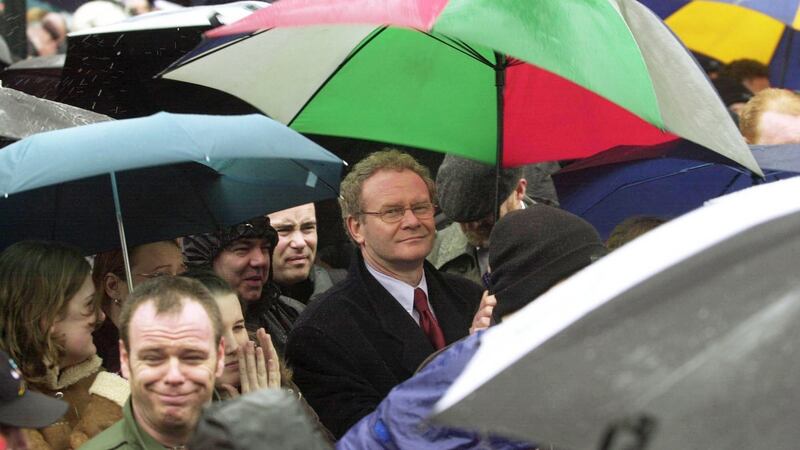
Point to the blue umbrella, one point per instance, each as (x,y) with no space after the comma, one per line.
(671,180)
(726,30)
(129,182)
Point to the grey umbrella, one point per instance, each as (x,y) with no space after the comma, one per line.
(687,338)
(22,115)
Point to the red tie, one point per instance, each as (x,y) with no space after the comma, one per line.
(426,319)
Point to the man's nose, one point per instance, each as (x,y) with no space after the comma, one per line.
(410,220)
(296,240)
(258,257)
(174,373)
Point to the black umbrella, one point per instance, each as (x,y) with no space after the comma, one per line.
(686,338)
(37,76)
(111,69)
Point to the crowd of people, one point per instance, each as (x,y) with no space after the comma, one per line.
(243,338)
(357,357)
(208,318)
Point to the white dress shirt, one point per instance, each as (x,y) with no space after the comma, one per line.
(402,291)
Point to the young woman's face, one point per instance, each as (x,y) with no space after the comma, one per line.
(74,330)
(235,336)
(148,261)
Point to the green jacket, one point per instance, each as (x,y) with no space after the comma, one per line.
(123,435)
(452,253)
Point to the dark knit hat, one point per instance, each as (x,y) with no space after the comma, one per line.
(466,188)
(201,249)
(533,249)
(264,419)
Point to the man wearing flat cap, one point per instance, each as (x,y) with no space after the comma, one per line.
(241,255)
(467,197)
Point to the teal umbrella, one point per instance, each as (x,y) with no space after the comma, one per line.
(129,182)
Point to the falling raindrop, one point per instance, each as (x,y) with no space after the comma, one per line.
(5,195)
(208,158)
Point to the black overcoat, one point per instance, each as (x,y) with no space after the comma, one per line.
(353,344)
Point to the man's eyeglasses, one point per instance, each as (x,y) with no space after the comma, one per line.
(394,214)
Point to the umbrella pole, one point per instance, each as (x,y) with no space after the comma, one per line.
(500,83)
(123,243)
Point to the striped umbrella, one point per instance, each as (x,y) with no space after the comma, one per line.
(764,30)
(509,81)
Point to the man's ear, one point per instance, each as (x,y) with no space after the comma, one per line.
(522,187)
(114,286)
(354,228)
(220,358)
(124,361)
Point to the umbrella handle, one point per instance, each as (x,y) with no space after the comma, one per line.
(121,228)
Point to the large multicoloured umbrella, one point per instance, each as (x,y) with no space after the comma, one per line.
(581,76)
(764,30)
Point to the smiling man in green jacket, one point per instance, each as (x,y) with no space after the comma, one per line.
(171,351)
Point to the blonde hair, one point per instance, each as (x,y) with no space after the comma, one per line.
(772,99)
(386,159)
(37,281)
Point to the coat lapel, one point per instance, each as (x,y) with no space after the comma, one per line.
(451,320)
(396,322)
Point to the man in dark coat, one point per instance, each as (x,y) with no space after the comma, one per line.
(371,331)
(241,255)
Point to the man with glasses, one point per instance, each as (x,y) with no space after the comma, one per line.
(371,331)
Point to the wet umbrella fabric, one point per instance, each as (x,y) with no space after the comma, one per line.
(176,175)
(110,69)
(663,181)
(764,30)
(581,77)
(698,338)
(38,76)
(22,115)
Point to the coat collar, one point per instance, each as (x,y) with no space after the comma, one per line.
(57,379)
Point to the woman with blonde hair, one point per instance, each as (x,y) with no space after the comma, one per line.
(47,314)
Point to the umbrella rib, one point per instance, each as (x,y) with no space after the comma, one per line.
(349,57)
(463,48)
(180,62)
(645,181)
